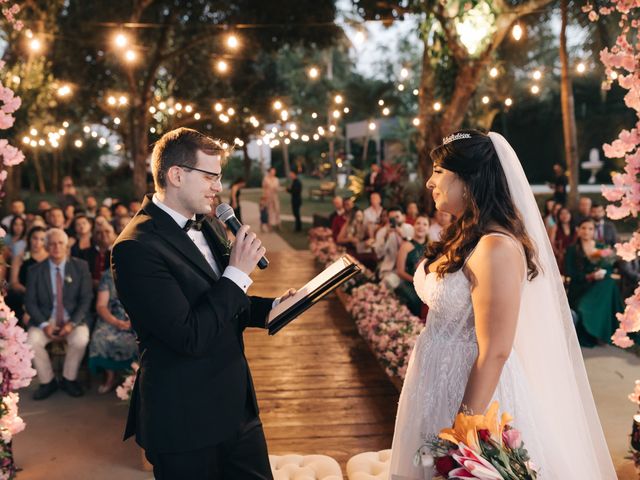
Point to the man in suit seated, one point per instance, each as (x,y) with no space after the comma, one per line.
(58,299)
(605,230)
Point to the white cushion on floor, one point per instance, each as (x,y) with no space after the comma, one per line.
(305,467)
(369,466)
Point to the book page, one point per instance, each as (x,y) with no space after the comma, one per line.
(331,271)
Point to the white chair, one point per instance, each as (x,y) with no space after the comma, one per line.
(305,467)
(369,466)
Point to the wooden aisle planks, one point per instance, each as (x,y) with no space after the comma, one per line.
(319,388)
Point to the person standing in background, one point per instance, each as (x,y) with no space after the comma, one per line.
(295,189)
(234,197)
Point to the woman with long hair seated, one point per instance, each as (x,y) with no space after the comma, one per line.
(562,234)
(593,294)
(410,255)
(355,236)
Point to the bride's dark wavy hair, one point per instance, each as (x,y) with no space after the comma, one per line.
(474,159)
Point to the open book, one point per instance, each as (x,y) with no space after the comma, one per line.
(325,282)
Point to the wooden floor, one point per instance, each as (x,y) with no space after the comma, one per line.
(319,388)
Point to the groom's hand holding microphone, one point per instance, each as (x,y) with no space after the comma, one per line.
(247,251)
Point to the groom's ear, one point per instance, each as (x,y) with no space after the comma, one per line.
(175,176)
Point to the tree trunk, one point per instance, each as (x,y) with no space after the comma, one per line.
(568,114)
(247,161)
(139,150)
(36,163)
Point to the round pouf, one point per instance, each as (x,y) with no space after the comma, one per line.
(304,467)
(369,466)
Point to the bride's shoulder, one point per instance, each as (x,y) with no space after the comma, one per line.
(498,251)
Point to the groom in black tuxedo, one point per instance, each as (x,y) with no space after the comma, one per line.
(193,407)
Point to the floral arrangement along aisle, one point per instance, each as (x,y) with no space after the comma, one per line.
(382,320)
(622,63)
(15,353)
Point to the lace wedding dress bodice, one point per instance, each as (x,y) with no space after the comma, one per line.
(438,372)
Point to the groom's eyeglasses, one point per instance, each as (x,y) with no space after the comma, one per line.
(209,176)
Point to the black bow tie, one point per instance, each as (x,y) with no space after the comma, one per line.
(195,224)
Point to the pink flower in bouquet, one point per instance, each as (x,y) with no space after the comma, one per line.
(513,438)
(10,423)
(473,465)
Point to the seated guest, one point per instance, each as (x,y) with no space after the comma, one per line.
(34,253)
(100,257)
(630,276)
(83,236)
(15,240)
(411,213)
(583,212)
(338,208)
(355,237)
(562,234)
(441,221)
(113,343)
(549,219)
(372,213)
(104,211)
(410,255)
(593,294)
(17,210)
(120,222)
(387,242)
(43,207)
(69,215)
(605,230)
(55,218)
(58,299)
(91,206)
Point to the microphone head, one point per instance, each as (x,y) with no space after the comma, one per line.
(224,212)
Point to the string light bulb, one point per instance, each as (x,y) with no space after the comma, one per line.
(338,99)
(232,41)
(535,89)
(508,102)
(120,40)
(277,105)
(130,56)
(537,75)
(222,66)
(581,68)
(437,106)
(485,100)
(314,72)
(416,122)
(493,73)
(517,32)
(35,45)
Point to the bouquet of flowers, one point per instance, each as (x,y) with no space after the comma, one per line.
(482,447)
(603,256)
(124,390)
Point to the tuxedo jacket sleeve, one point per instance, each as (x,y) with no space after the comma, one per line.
(153,295)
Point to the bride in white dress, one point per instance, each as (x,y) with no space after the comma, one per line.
(499,326)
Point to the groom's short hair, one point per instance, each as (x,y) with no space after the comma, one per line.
(180,147)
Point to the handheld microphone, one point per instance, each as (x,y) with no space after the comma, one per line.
(225,214)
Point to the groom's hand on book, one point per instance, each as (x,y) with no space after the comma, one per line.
(289,293)
(247,251)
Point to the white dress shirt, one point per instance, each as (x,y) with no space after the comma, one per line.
(234,274)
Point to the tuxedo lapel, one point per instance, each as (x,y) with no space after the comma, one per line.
(170,232)
(215,242)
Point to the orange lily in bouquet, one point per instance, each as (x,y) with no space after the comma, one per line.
(482,447)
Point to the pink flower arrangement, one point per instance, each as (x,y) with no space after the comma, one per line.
(386,324)
(623,58)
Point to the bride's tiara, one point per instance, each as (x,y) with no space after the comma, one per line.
(454,137)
